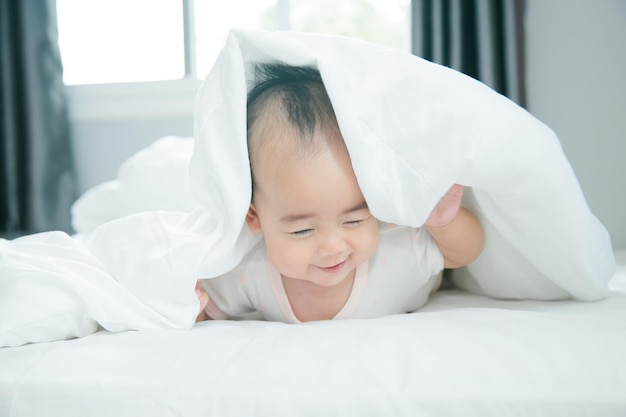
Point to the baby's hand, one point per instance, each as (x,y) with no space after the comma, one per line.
(203,297)
(447,209)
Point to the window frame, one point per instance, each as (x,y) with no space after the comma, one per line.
(142,99)
(135,100)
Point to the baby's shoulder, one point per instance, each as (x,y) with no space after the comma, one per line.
(405,248)
(389,231)
(389,227)
(406,239)
(255,260)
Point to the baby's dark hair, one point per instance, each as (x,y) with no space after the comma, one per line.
(288,101)
(298,93)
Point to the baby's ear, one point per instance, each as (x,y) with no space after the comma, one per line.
(252,218)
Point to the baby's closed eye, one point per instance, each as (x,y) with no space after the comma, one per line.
(302,233)
(356,219)
(354,222)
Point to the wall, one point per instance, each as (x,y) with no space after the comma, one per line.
(101,146)
(112,122)
(576,63)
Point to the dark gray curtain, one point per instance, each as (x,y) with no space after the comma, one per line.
(481,38)
(37,185)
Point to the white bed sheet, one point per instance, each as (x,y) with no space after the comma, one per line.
(462,354)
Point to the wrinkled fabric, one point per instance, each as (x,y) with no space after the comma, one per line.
(412,128)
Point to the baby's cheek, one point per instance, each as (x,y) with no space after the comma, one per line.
(287,256)
(369,239)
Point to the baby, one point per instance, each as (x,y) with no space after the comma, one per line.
(323,255)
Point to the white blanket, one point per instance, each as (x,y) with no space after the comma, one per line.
(412,128)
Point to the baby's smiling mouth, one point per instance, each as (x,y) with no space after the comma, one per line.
(333,268)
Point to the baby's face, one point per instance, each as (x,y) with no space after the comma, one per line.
(313,216)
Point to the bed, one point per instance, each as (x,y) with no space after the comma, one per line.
(462,354)
(536,326)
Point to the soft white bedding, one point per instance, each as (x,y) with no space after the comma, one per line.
(412,129)
(462,355)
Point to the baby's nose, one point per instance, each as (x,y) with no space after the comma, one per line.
(332,246)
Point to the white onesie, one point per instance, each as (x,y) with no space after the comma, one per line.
(397,279)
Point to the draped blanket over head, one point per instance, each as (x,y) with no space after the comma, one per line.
(412,129)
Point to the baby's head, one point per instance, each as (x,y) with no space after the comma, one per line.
(289,116)
(306,198)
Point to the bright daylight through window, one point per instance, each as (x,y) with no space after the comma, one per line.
(112,41)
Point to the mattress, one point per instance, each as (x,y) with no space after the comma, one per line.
(462,354)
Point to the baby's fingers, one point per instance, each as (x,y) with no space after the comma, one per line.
(454,194)
(203,297)
(447,208)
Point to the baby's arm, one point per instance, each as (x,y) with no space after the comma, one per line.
(456,230)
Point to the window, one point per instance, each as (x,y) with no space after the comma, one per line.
(382,21)
(115,41)
(109,41)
